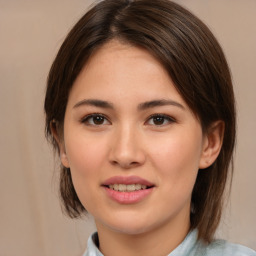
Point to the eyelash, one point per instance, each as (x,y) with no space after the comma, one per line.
(163,116)
(86,119)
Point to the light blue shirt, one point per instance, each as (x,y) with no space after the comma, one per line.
(189,247)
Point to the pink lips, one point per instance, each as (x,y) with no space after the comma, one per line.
(127,180)
(127,197)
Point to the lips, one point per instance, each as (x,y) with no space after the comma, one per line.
(127,181)
(127,190)
(126,184)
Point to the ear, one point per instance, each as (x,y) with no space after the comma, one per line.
(60,142)
(212,144)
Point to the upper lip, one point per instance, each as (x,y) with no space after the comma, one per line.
(127,180)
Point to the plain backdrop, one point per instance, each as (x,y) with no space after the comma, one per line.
(31,222)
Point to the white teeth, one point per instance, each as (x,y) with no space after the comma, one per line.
(143,186)
(127,188)
(137,186)
(130,187)
(122,187)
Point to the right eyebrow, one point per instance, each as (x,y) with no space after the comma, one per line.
(159,103)
(95,103)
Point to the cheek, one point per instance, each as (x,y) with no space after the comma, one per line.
(84,153)
(177,158)
(86,160)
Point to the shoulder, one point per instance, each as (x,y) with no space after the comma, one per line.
(191,246)
(222,247)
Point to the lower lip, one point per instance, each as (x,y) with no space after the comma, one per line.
(128,197)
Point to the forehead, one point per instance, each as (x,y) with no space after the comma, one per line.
(119,56)
(122,70)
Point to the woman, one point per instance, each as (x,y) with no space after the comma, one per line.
(140,107)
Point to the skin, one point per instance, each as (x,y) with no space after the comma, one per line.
(127,141)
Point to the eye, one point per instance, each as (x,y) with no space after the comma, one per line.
(95,120)
(160,120)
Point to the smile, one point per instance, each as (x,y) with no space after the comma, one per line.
(127,188)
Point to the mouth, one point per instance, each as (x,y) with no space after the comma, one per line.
(128,187)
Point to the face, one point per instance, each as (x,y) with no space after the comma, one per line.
(133,146)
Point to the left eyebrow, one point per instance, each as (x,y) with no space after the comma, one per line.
(95,103)
(159,103)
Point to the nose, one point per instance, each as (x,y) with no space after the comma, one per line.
(127,148)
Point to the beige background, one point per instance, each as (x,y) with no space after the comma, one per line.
(31,222)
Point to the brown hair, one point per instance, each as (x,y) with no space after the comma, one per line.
(195,62)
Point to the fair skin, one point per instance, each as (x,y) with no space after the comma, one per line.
(125,119)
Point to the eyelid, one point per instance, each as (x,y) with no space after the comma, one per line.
(165,116)
(91,115)
(84,120)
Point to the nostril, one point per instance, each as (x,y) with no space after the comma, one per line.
(134,163)
(114,162)
(130,164)
(125,164)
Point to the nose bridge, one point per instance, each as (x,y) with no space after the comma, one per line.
(127,149)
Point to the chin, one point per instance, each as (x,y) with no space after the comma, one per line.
(130,227)
(131,230)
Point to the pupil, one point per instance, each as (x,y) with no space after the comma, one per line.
(98,119)
(158,120)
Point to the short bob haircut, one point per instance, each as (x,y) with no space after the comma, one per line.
(196,64)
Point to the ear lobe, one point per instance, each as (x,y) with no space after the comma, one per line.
(212,144)
(60,142)
(64,159)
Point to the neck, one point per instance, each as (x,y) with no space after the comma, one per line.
(160,241)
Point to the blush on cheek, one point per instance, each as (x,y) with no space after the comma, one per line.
(177,161)
(85,152)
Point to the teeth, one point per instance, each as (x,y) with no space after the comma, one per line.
(137,186)
(130,187)
(127,188)
(143,186)
(122,187)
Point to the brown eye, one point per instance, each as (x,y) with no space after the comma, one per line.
(160,120)
(95,120)
(98,120)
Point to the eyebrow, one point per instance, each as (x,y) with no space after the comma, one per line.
(159,103)
(94,102)
(141,106)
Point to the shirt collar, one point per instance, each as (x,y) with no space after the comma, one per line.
(188,244)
